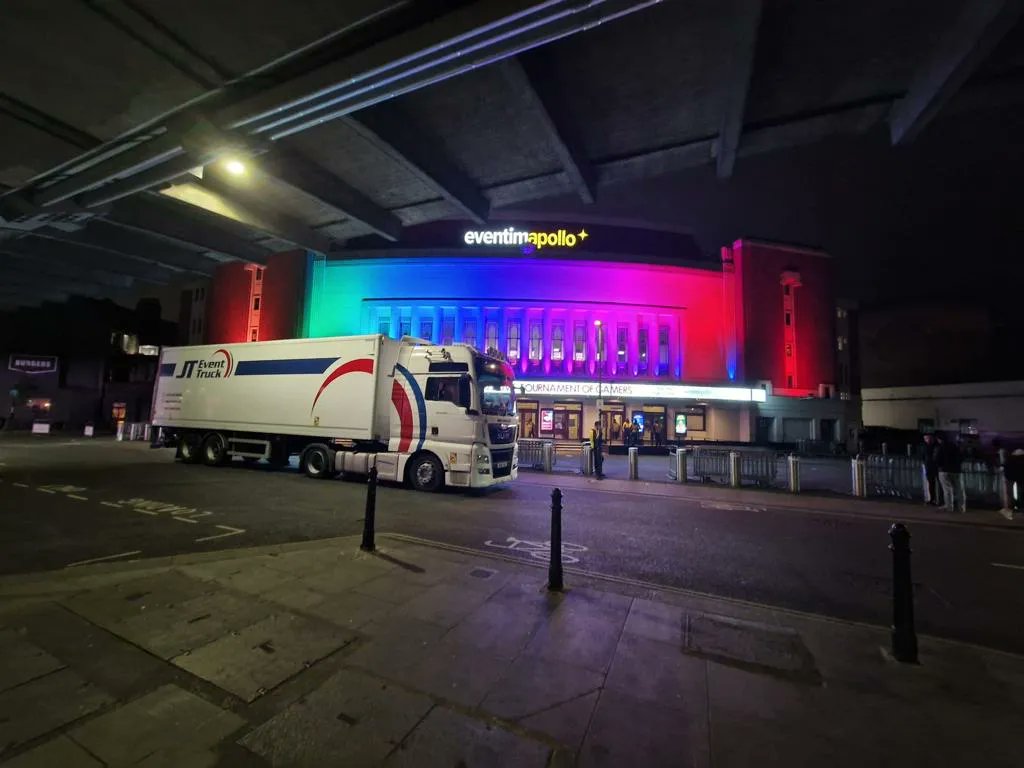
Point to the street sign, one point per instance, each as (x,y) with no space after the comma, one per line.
(33,364)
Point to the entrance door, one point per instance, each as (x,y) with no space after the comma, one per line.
(765,426)
(560,425)
(573,419)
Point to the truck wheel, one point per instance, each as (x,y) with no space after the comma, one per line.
(188,449)
(318,462)
(426,473)
(215,450)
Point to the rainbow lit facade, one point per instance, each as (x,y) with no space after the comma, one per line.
(547,316)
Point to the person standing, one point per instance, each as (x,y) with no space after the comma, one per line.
(597,446)
(949,475)
(1014,479)
(930,464)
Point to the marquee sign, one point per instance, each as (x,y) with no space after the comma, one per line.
(639,390)
(528,240)
(32,364)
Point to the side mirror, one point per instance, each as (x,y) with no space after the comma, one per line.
(472,412)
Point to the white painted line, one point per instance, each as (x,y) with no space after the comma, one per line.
(110,504)
(146,512)
(45,490)
(22,485)
(184,519)
(230,532)
(108,557)
(76,497)
(1008,565)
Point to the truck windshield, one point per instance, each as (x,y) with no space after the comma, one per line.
(494,378)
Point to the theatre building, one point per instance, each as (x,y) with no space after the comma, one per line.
(599,323)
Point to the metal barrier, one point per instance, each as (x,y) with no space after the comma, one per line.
(677,464)
(903,477)
(571,455)
(758,467)
(531,453)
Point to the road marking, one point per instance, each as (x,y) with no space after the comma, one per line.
(57,488)
(45,490)
(539,550)
(230,532)
(729,506)
(145,512)
(110,504)
(182,519)
(76,497)
(1009,565)
(21,485)
(108,557)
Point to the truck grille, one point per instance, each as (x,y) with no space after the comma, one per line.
(501,462)
(501,434)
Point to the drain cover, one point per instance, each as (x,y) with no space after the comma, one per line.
(749,644)
(482,573)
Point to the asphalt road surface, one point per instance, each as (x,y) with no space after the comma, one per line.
(69,501)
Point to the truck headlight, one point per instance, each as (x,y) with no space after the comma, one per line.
(483,460)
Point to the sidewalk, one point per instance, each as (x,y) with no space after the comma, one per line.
(315,654)
(657,483)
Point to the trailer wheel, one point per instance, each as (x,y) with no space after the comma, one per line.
(215,450)
(318,462)
(188,448)
(425,473)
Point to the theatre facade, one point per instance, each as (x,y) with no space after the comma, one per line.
(600,323)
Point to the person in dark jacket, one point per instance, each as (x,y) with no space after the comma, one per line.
(1014,473)
(950,477)
(930,464)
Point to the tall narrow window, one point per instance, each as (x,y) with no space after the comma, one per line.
(256,303)
(427,328)
(384,324)
(491,334)
(469,332)
(514,334)
(579,342)
(558,341)
(621,339)
(536,341)
(404,326)
(259,274)
(447,329)
(641,336)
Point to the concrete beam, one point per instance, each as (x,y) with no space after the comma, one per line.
(561,133)
(105,237)
(11,259)
(85,258)
(157,216)
(394,134)
(308,177)
(978,28)
(18,281)
(736,84)
(217,195)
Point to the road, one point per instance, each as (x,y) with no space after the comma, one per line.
(64,502)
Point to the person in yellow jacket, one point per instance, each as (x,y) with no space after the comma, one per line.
(597,445)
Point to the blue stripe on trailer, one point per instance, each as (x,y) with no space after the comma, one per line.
(303,365)
(167,369)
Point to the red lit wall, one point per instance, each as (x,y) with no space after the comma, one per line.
(761,267)
(284,286)
(227,304)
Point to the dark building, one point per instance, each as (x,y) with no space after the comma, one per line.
(81,362)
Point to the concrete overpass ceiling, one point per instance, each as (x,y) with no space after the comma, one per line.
(367,116)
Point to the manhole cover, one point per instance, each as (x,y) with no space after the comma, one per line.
(749,644)
(482,573)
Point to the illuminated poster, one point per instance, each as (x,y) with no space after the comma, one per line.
(680,423)
(547,420)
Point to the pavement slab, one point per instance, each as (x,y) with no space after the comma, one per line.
(132,597)
(532,685)
(61,751)
(395,588)
(661,673)
(628,731)
(655,621)
(168,721)
(396,645)
(457,674)
(757,645)
(172,630)
(350,610)
(352,719)
(448,738)
(21,661)
(260,657)
(584,630)
(45,704)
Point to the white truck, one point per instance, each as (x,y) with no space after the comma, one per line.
(423,414)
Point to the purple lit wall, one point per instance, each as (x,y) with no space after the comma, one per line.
(681,309)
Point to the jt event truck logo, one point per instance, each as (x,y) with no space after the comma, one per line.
(529,241)
(217,367)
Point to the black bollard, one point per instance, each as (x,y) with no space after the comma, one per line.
(555,568)
(371,507)
(904,639)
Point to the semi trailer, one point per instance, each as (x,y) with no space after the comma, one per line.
(422,414)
